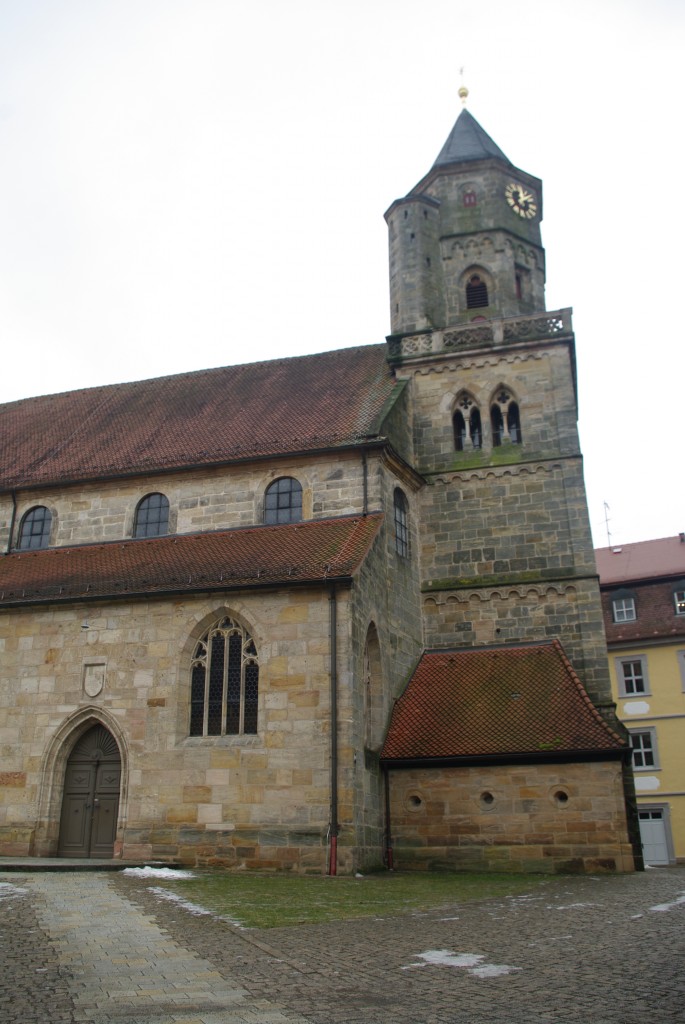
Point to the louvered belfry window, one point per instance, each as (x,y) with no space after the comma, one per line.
(224,682)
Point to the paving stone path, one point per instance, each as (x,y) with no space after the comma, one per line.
(105,949)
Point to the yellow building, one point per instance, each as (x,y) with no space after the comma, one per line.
(643,599)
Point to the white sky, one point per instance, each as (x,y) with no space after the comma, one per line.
(190,183)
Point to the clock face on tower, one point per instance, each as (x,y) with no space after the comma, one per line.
(521,200)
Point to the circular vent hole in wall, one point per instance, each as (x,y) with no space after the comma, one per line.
(414,802)
(487,799)
(560,797)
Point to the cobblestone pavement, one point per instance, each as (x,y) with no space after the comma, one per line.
(105,949)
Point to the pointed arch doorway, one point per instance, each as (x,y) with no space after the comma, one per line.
(90,803)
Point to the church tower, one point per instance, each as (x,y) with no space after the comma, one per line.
(506,550)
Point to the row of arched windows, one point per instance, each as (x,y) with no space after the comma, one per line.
(282,504)
(505,421)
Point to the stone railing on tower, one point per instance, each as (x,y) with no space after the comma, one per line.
(496,333)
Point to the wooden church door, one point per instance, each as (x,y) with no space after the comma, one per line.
(90,804)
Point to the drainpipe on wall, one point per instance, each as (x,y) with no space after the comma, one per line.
(12,521)
(333,827)
(365,473)
(388,830)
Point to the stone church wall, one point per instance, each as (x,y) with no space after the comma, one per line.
(214,499)
(542,818)
(385,603)
(255,800)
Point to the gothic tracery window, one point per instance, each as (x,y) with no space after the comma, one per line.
(224,685)
(505,419)
(468,431)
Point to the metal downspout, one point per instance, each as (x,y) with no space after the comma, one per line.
(333,827)
(365,474)
(12,521)
(388,828)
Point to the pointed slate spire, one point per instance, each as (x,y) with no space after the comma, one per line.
(467,141)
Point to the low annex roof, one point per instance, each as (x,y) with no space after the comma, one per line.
(647,559)
(208,417)
(496,702)
(309,552)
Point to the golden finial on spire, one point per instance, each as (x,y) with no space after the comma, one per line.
(463,91)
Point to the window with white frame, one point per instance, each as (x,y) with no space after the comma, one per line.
(679,601)
(643,744)
(624,609)
(632,676)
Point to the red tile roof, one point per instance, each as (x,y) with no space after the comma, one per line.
(647,559)
(496,702)
(309,552)
(209,417)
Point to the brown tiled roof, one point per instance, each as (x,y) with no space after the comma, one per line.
(496,702)
(208,417)
(648,559)
(309,552)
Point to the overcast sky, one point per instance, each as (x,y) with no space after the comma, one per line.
(191,183)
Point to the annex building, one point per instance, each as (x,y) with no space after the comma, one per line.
(327,612)
(643,596)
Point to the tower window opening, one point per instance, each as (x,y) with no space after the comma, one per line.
(505,419)
(476,293)
(459,431)
(519,287)
(466,424)
(497,424)
(514,423)
(470,198)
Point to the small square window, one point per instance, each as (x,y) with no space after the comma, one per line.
(632,676)
(624,609)
(679,599)
(643,743)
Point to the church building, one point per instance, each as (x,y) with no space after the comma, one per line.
(324,613)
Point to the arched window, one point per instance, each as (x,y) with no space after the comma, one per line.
(505,419)
(476,292)
(224,684)
(401,523)
(373,690)
(468,431)
(152,516)
(283,501)
(34,531)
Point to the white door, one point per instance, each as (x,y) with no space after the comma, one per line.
(653,836)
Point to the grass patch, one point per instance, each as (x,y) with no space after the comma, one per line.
(272,901)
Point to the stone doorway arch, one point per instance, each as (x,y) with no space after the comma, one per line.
(90,797)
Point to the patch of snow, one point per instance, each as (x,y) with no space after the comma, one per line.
(157,873)
(471,962)
(192,908)
(493,970)
(172,897)
(636,917)
(11,892)
(576,906)
(669,906)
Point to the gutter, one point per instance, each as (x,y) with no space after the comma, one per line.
(333,827)
(13,519)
